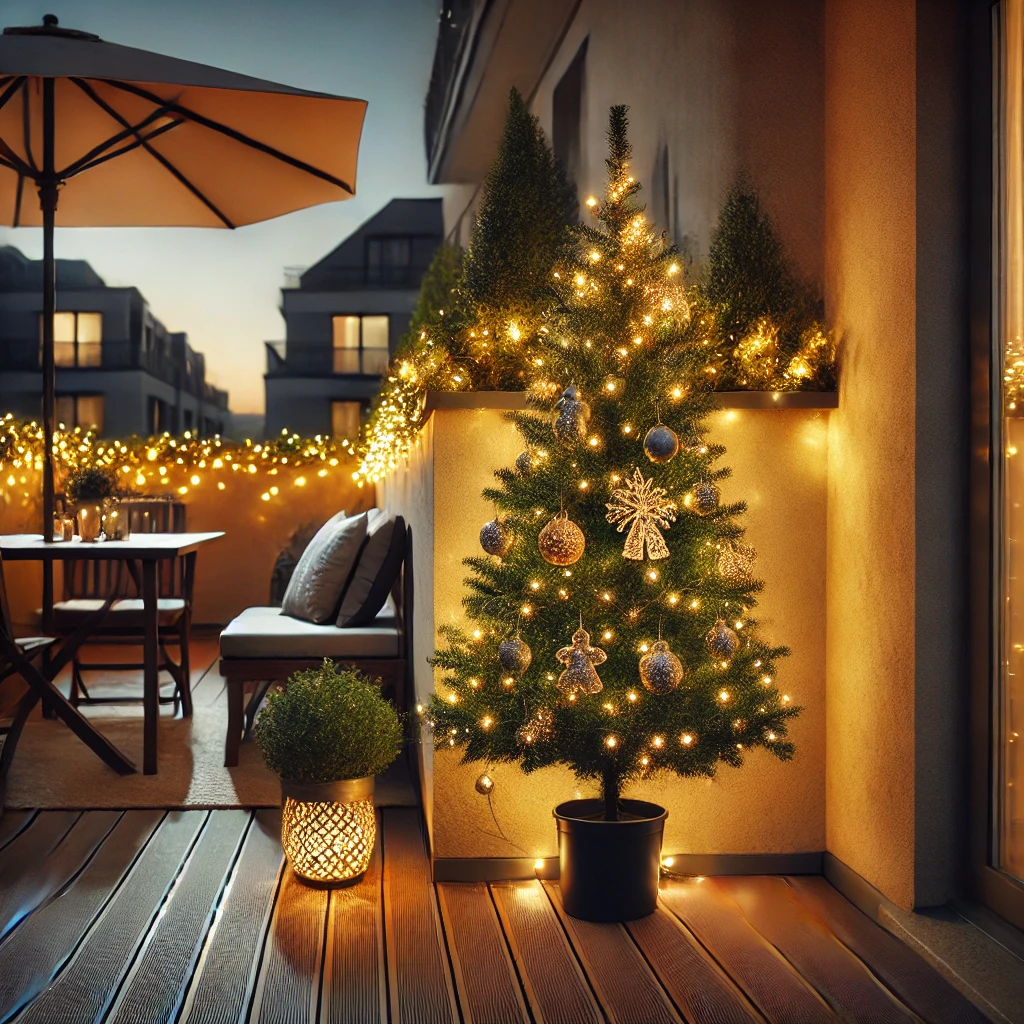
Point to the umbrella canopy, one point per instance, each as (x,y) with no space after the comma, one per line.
(147,140)
(95,134)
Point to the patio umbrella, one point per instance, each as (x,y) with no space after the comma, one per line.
(107,135)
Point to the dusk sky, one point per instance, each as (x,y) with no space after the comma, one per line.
(223,287)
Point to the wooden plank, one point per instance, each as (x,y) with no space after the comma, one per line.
(703,992)
(485,976)
(20,898)
(21,857)
(555,987)
(11,823)
(625,987)
(849,987)
(419,979)
(766,977)
(83,990)
(32,955)
(355,987)
(227,968)
(288,986)
(921,987)
(154,988)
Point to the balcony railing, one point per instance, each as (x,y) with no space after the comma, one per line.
(340,279)
(24,356)
(452,32)
(286,359)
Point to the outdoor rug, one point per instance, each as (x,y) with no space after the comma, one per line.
(52,769)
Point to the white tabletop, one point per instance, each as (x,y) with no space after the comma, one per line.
(31,546)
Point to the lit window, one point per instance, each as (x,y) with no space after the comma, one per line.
(77,338)
(85,411)
(360,344)
(345,419)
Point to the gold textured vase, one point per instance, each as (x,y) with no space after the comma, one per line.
(328,830)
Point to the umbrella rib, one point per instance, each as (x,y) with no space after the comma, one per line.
(78,167)
(159,157)
(86,160)
(26,126)
(232,133)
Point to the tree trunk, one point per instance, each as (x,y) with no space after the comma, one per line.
(610,785)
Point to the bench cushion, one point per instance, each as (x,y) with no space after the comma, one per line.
(268,633)
(125,613)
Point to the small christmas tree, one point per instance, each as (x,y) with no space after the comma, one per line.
(612,617)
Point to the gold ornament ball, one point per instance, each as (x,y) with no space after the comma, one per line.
(660,670)
(515,655)
(721,640)
(561,542)
(496,538)
(703,499)
(661,443)
(484,784)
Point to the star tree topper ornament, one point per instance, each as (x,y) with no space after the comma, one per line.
(644,508)
(580,660)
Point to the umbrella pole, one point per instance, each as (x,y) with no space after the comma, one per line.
(48,203)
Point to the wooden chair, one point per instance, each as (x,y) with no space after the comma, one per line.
(87,584)
(261,647)
(18,658)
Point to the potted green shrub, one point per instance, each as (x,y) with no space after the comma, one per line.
(87,490)
(327,734)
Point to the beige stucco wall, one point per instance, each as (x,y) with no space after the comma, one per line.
(714,87)
(870,291)
(779,462)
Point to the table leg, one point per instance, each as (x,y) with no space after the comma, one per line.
(151,682)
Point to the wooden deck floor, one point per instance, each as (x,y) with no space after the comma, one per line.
(144,916)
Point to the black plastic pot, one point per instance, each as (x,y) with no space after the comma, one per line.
(609,869)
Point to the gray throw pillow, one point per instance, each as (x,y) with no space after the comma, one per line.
(318,582)
(380,562)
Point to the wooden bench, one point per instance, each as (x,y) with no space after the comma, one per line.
(262,647)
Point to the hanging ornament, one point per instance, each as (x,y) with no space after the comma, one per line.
(644,508)
(721,640)
(561,542)
(702,498)
(661,443)
(580,660)
(660,670)
(573,414)
(526,462)
(496,538)
(537,729)
(484,784)
(735,564)
(514,655)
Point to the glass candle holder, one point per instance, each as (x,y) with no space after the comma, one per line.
(90,519)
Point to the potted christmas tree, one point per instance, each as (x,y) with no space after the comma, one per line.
(327,734)
(614,627)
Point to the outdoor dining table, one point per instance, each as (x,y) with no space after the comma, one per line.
(145,550)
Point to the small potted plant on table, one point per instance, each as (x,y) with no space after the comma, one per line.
(87,490)
(327,734)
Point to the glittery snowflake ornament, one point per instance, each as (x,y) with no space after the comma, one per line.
(646,510)
(580,659)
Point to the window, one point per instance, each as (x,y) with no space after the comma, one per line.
(158,415)
(85,411)
(77,338)
(567,115)
(360,344)
(345,419)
